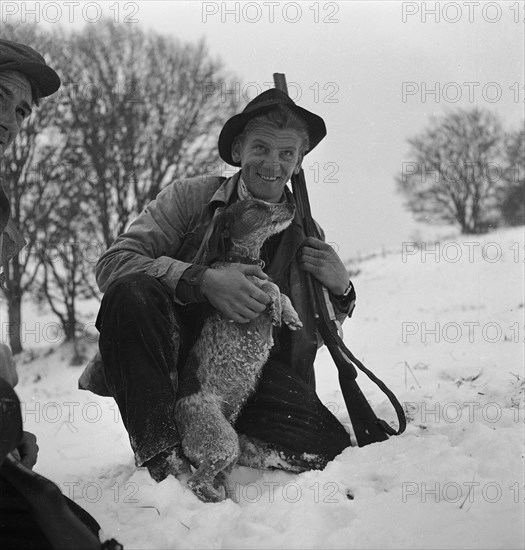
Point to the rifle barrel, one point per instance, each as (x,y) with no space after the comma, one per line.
(279,80)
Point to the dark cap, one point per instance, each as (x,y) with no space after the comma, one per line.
(263,103)
(25,60)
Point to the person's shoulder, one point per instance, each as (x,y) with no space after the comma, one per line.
(202,182)
(200,188)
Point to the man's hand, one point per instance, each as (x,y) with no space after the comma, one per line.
(229,291)
(322,261)
(27,450)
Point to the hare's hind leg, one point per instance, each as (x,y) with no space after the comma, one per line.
(211,444)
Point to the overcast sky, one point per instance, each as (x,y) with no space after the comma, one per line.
(350,62)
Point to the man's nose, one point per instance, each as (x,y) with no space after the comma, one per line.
(271,162)
(274,156)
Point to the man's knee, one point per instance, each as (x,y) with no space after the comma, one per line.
(134,297)
(137,308)
(135,287)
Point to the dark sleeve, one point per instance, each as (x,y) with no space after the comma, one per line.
(188,288)
(345,305)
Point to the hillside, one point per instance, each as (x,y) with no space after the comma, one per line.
(445,332)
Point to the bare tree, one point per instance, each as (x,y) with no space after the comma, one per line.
(133,114)
(71,250)
(512,195)
(455,170)
(139,116)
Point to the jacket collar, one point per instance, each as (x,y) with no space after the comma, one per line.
(292,238)
(226,190)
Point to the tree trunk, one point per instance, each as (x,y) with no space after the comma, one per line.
(70,325)
(14,309)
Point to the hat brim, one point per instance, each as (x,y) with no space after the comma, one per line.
(43,76)
(235,125)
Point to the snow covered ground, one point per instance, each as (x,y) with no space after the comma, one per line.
(442,325)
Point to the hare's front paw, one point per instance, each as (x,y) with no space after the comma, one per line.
(292,320)
(289,315)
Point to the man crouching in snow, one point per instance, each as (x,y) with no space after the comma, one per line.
(157,294)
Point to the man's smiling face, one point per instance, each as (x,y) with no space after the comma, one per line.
(15,106)
(268,156)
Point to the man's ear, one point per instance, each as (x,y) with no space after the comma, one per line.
(236,151)
(297,168)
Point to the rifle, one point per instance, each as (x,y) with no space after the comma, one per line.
(368,428)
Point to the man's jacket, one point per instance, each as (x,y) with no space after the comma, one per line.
(11,240)
(171,234)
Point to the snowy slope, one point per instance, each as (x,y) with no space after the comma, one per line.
(445,331)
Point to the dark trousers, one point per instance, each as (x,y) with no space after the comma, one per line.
(144,340)
(18,528)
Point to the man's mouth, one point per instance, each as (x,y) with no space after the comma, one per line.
(268,178)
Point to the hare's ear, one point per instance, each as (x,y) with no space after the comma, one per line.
(220,238)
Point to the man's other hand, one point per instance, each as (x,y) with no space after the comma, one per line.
(236,297)
(322,261)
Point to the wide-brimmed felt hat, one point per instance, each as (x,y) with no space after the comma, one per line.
(263,103)
(25,60)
